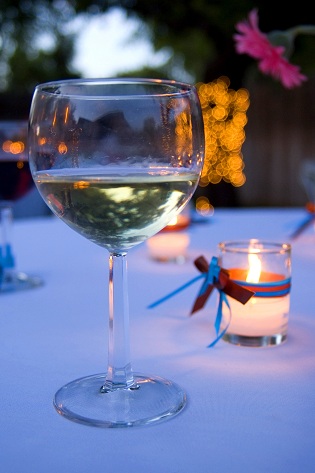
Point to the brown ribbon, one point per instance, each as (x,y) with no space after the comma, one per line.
(223,283)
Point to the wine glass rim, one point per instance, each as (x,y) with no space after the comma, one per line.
(69,87)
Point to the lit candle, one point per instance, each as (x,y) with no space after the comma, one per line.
(171,246)
(264,268)
(180,222)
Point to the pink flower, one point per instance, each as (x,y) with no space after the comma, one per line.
(271,60)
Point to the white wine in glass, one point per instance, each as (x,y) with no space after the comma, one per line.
(117,160)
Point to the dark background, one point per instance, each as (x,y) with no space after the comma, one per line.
(279,132)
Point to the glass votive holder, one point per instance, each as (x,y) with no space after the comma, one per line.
(171,243)
(265,268)
(169,247)
(180,222)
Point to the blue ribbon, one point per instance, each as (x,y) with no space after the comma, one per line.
(6,261)
(218,319)
(211,280)
(171,294)
(276,288)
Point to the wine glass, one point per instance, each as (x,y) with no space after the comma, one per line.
(116,160)
(15,182)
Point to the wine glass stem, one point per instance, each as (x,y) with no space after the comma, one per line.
(119,373)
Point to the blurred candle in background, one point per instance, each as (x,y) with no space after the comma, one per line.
(178,223)
(169,247)
(171,243)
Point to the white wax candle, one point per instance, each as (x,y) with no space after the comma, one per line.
(265,269)
(260,316)
(168,246)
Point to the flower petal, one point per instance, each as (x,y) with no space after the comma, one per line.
(250,40)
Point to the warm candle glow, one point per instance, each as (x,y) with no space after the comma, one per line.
(173,221)
(254,268)
(180,222)
(264,268)
(168,247)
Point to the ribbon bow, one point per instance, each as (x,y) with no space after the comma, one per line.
(218,278)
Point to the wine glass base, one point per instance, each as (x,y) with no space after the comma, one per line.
(153,400)
(19,281)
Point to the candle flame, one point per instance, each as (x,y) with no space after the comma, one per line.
(173,221)
(254,268)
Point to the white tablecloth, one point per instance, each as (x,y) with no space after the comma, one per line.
(249,409)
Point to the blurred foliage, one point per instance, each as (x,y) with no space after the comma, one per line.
(37,45)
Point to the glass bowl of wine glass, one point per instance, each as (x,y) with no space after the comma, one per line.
(15,183)
(116,160)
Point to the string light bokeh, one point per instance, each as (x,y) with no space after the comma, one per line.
(224,113)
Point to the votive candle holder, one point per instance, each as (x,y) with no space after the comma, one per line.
(263,267)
